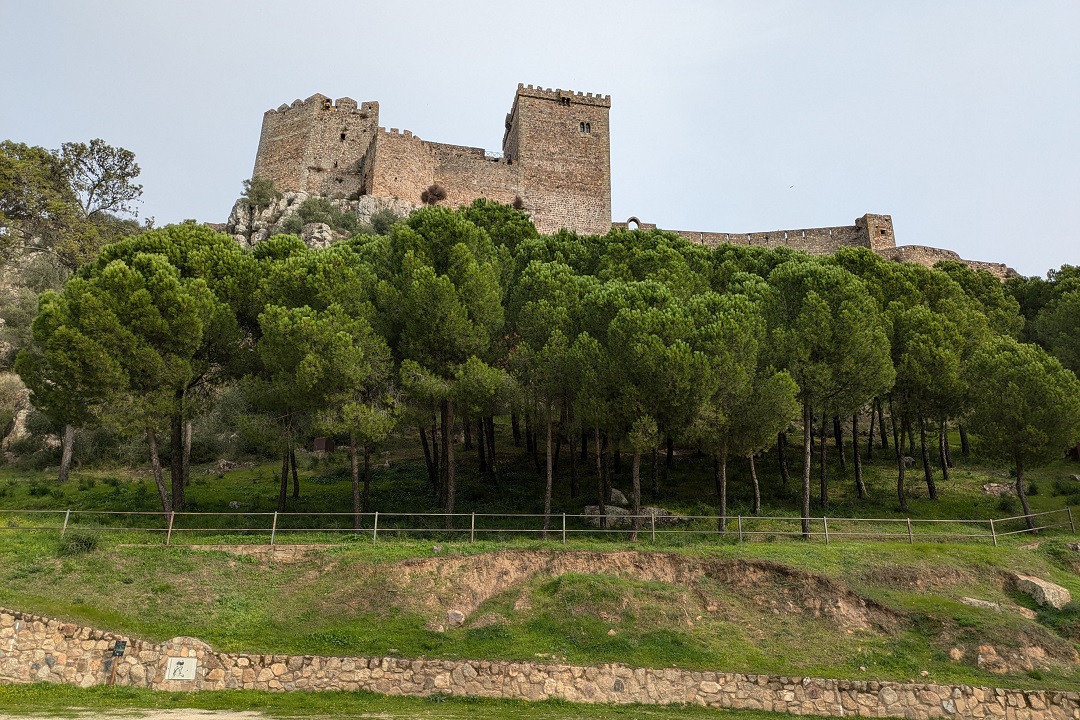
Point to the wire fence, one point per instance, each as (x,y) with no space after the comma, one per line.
(283,528)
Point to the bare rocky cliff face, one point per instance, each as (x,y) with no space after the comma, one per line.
(249,225)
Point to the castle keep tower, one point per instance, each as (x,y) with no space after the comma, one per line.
(316,145)
(561,144)
(555,160)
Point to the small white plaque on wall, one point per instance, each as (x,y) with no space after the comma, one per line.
(181,668)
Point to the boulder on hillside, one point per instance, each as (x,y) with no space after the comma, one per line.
(620,517)
(617,498)
(1044,592)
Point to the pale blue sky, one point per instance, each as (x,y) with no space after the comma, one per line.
(960,119)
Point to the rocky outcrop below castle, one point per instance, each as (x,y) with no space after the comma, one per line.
(250,225)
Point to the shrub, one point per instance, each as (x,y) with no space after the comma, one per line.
(433,194)
(1033,489)
(77,543)
(292,225)
(321,210)
(260,192)
(38,489)
(383,220)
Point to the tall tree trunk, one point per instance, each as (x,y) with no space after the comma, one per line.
(781,451)
(860,486)
(655,471)
(807,422)
(823,469)
(65,454)
(1020,493)
(910,434)
(429,461)
(601,498)
(530,442)
(838,435)
(559,437)
(618,460)
(721,522)
(367,478)
(443,454)
(757,487)
(283,489)
(466,425)
(608,470)
(295,477)
(928,468)
(481,449)
(354,472)
(186,467)
(489,425)
(869,435)
(636,472)
(720,487)
(574,489)
(670,463)
(965,446)
(448,445)
(584,445)
(515,428)
(155,466)
(901,492)
(883,434)
(548,476)
(943,450)
(176,453)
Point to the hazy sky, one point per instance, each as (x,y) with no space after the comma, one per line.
(959,119)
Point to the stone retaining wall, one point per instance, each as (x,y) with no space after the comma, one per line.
(39,649)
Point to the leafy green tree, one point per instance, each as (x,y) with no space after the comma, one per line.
(1027,407)
(229,272)
(260,193)
(72,367)
(65,203)
(442,304)
(827,332)
(307,359)
(102,177)
(1058,328)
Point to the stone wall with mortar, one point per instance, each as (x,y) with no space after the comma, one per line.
(869,231)
(317,145)
(928,256)
(40,649)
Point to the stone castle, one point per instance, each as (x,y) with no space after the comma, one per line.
(554,163)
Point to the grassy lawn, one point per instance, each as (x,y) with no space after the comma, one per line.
(64,701)
(851,609)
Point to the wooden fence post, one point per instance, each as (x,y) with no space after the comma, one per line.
(910,537)
(273,529)
(993,533)
(168,535)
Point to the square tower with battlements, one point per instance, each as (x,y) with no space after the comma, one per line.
(560,141)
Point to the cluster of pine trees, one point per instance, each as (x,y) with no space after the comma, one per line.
(626,342)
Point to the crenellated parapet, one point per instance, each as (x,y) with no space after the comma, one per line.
(564,96)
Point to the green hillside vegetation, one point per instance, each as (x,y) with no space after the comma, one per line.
(773,605)
(31,700)
(464,364)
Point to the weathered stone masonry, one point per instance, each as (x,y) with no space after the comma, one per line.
(39,649)
(555,163)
